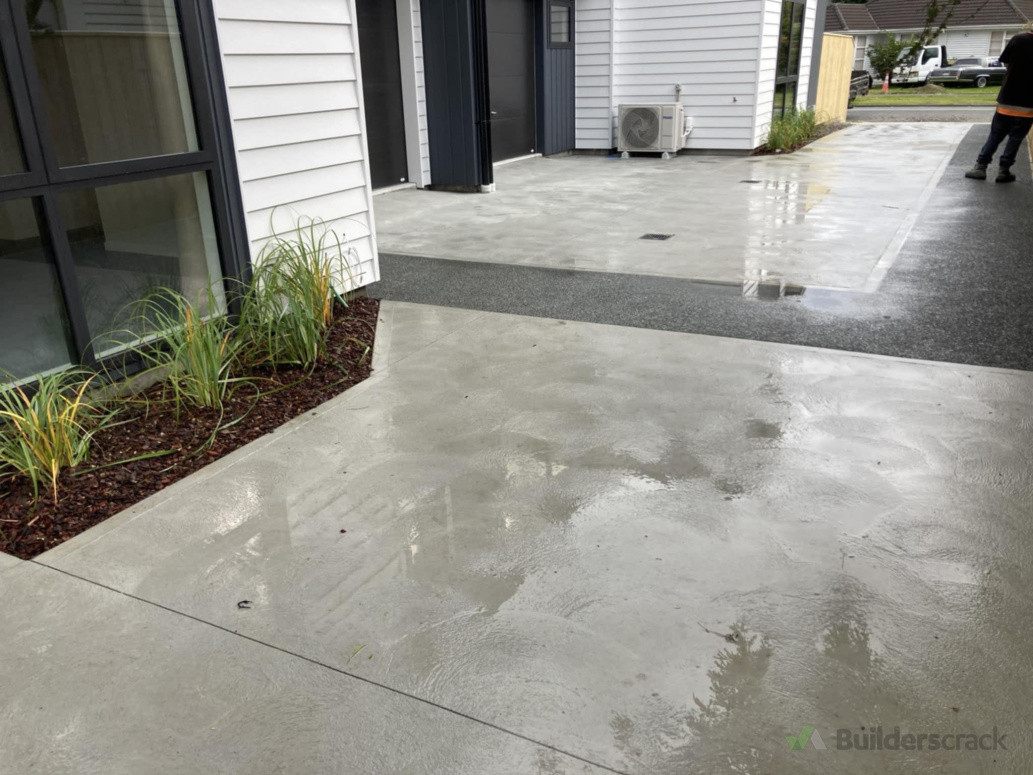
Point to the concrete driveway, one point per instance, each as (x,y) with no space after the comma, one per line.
(833,215)
(534,546)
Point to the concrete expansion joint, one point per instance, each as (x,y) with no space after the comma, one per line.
(339,671)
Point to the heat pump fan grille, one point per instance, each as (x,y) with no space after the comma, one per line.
(641,128)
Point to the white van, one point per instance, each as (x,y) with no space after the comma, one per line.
(929,59)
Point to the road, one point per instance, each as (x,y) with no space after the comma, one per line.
(975,115)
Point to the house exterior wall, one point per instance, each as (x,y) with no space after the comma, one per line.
(710,48)
(556,103)
(593,73)
(723,54)
(293,79)
(960,42)
(414,91)
(767,65)
(966,43)
(809,19)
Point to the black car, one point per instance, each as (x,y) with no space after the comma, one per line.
(975,71)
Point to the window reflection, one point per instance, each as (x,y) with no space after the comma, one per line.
(559,24)
(11,159)
(131,239)
(114,79)
(34,334)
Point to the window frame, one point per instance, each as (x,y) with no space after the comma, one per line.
(783,74)
(860,51)
(45,178)
(550,42)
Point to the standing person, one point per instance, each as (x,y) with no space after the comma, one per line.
(1014,117)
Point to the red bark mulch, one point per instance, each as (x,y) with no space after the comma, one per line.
(92,493)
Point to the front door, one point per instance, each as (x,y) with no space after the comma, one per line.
(382,92)
(511,76)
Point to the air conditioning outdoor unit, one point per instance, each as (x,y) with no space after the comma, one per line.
(657,128)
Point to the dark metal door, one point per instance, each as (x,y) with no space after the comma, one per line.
(511,74)
(382,92)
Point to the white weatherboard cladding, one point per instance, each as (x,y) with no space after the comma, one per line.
(292,76)
(722,53)
(768,59)
(962,44)
(414,91)
(807,53)
(593,63)
(708,48)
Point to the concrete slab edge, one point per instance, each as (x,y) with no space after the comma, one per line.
(892,252)
(243,453)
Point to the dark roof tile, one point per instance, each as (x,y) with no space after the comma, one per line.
(911,14)
(856,17)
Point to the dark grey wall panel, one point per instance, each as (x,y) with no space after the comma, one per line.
(382,92)
(451,82)
(555,85)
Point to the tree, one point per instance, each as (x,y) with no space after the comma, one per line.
(938,14)
(885,54)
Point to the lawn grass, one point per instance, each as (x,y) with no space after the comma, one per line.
(928,95)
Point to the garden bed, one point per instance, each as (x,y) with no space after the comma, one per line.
(92,493)
(820,131)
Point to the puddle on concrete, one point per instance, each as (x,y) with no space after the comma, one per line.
(770,289)
(759,429)
(729,486)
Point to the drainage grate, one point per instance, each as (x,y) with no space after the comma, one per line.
(660,237)
(751,181)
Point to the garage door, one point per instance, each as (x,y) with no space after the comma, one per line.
(382,92)
(511,77)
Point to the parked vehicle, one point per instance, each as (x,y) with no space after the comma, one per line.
(974,71)
(929,59)
(860,83)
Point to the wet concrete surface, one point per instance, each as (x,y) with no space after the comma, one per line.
(957,290)
(93,681)
(822,217)
(658,552)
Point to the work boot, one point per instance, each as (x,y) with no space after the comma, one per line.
(1005,175)
(977,173)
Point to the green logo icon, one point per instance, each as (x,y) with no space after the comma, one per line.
(807,734)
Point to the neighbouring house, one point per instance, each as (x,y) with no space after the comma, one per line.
(148,143)
(977,28)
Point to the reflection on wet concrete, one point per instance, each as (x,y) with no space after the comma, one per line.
(661,552)
(943,295)
(735,679)
(823,216)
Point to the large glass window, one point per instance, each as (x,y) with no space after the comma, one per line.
(111,185)
(130,239)
(34,334)
(790,50)
(11,159)
(114,79)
